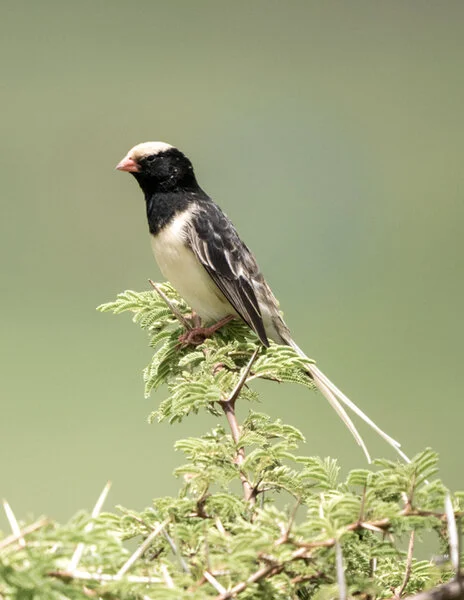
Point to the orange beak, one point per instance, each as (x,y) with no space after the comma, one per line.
(128,164)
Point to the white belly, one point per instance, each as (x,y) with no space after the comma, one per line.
(180,266)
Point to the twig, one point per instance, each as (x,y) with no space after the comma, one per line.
(141,549)
(229,411)
(175,311)
(269,570)
(228,406)
(76,557)
(304,578)
(381,525)
(407,574)
(11,539)
(13,523)
(371,527)
(256,576)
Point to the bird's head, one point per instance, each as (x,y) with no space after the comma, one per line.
(158,166)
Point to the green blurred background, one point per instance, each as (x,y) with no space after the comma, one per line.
(330,132)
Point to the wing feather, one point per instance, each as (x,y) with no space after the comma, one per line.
(216,244)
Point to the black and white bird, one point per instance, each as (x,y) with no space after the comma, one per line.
(200,252)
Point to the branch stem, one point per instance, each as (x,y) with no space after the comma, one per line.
(229,410)
(228,406)
(407,573)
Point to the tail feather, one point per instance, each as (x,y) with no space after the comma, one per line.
(314,370)
(335,404)
(336,398)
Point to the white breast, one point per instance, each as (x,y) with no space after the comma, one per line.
(180,266)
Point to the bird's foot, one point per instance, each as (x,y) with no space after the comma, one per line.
(194,320)
(197,335)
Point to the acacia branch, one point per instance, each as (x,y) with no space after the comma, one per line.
(228,406)
(407,573)
(304,551)
(267,571)
(379,525)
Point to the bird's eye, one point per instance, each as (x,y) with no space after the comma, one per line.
(151,159)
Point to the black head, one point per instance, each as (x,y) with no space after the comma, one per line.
(159,167)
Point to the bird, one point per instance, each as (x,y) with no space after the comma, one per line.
(199,251)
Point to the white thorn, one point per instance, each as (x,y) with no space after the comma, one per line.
(76,557)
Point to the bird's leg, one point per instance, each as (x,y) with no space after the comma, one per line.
(192,321)
(195,320)
(197,335)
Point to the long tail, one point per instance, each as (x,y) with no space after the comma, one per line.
(336,398)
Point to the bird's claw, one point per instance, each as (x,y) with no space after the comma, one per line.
(193,337)
(197,335)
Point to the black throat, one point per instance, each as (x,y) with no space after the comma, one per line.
(164,202)
(163,206)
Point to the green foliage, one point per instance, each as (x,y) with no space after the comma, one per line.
(200,377)
(253,519)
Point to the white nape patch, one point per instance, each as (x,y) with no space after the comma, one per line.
(181,267)
(148,149)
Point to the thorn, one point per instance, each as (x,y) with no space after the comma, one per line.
(371,527)
(214,582)
(452,534)
(11,539)
(179,316)
(243,377)
(340,571)
(141,549)
(13,524)
(220,526)
(180,558)
(167,577)
(76,557)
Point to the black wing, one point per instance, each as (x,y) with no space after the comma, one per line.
(230,264)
